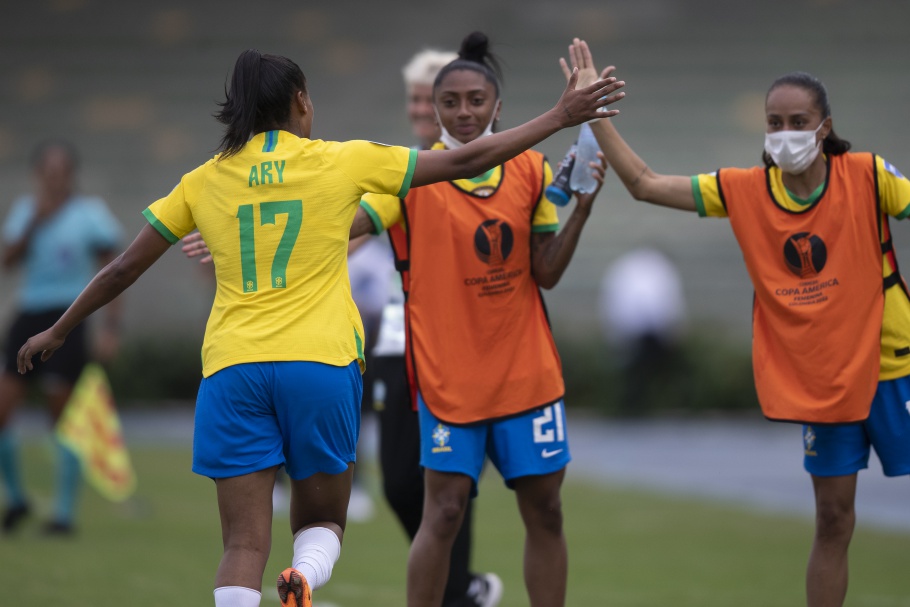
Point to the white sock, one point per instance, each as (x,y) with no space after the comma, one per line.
(316,550)
(236,596)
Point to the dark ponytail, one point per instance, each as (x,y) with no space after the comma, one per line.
(832,144)
(258,99)
(475,55)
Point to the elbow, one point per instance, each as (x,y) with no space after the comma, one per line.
(119,275)
(638,193)
(469,165)
(546,280)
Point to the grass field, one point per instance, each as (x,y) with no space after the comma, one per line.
(627,549)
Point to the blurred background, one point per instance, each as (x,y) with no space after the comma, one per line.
(134,85)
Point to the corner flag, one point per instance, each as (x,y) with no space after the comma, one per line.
(90,427)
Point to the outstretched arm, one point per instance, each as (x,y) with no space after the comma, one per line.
(574,107)
(110,282)
(551,253)
(643,184)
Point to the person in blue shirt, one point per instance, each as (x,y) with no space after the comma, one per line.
(58,239)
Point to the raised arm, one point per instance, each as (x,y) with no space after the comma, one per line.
(110,282)
(551,253)
(673,191)
(574,107)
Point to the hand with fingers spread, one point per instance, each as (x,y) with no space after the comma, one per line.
(194,246)
(582,103)
(582,60)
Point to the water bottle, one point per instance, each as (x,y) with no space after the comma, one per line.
(558,191)
(581,179)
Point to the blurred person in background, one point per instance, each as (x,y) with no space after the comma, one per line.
(831,319)
(482,360)
(283,350)
(642,315)
(58,238)
(369,268)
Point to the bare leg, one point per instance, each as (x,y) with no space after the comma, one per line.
(444,506)
(835,518)
(546,556)
(321,500)
(12,393)
(245,504)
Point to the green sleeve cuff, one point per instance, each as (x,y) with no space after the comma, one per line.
(905,213)
(162,229)
(696,193)
(544,228)
(408,176)
(377,222)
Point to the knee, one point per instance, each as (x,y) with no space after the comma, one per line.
(444,514)
(544,513)
(834,522)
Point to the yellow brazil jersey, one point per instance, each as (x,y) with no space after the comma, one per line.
(385,211)
(277,217)
(894,201)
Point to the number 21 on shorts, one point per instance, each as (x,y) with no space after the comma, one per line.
(549,427)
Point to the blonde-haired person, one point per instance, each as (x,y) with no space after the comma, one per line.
(419,74)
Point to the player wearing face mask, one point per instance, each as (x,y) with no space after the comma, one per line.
(831,320)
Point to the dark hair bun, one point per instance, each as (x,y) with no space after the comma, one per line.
(475,47)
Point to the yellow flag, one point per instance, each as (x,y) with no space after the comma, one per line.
(91,427)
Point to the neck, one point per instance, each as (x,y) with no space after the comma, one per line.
(805,183)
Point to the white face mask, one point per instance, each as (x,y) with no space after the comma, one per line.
(453,144)
(793,151)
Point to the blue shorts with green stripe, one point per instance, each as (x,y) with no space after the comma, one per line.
(843,449)
(302,415)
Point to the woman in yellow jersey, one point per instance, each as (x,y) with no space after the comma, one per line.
(284,340)
(831,320)
(487,375)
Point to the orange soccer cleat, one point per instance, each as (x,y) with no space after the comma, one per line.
(293,590)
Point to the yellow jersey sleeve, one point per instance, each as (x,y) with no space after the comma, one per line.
(545,218)
(708,201)
(893,189)
(377,166)
(172,215)
(383,210)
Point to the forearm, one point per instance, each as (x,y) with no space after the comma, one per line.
(484,153)
(104,288)
(630,168)
(552,255)
(673,191)
(362,225)
(13,253)
(114,278)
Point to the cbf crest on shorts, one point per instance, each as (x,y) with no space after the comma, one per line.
(441,435)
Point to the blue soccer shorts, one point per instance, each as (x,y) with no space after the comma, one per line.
(843,449)
(302,415)
(532,443)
